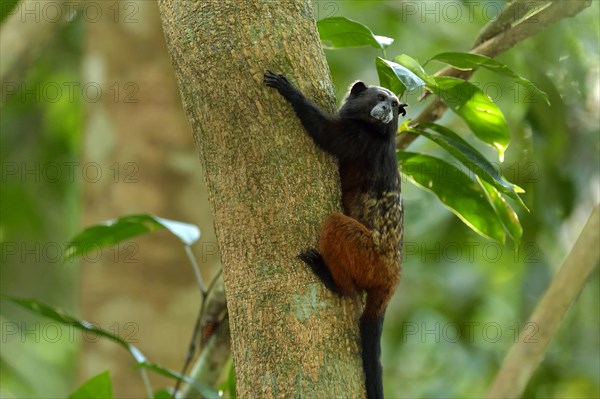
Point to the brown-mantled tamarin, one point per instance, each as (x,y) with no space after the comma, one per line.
(359,250)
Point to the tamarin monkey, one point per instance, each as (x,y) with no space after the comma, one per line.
(359,250)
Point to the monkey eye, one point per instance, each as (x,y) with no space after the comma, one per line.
(381,97)
(394,104)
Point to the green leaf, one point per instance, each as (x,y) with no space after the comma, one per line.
(384,41)
(468,61)
(114,231)
(97,387)
(162,394)
(461,195)
(341,32)
(231,382)
(412,65)
(61,316)
(484,117)
(468,156)
(187,233)
(6,8)
(505,213)
(396,77)
(206,391)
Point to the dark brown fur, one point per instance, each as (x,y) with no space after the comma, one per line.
(359,250)
(360,259)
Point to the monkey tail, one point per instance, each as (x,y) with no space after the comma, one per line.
(370,335)
(371,327)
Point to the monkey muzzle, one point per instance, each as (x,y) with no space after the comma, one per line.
(382,113)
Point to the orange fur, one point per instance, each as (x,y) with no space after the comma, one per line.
(359,250)
(356,264)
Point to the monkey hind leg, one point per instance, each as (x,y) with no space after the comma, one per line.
(348,250)
(378,298)
(317,264)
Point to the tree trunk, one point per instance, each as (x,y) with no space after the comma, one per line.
(269,188)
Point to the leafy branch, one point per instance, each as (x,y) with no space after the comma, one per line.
(493,217)
(210,316)
(142,362)
(483,186)
(497,37)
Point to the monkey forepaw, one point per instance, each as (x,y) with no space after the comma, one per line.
(275,80)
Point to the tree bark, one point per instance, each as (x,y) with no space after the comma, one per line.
(269,189)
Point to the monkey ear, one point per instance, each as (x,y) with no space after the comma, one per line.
(358,87)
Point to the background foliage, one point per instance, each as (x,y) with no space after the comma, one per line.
(462,299)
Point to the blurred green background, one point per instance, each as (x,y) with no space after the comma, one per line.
(462,300)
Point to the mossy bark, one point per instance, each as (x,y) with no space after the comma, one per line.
(269,188)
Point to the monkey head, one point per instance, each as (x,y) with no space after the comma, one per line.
(371,104)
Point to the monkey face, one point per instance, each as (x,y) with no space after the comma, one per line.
(372,104)
(383,110)
(386,106)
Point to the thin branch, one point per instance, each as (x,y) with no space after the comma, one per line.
(513,12)
(527,27)
(526,354)
(147,383)
(213,311)
(199,281)
(209,366)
